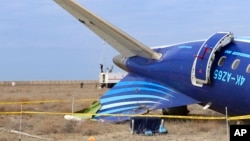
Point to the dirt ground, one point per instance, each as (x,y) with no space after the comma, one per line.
(58,98)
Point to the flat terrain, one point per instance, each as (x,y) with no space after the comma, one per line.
(58,98)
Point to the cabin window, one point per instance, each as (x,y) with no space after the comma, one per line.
(222,61)
(235,64)
(248,68)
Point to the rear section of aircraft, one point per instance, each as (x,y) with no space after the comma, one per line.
(213,72)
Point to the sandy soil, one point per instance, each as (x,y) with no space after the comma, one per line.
(55,127)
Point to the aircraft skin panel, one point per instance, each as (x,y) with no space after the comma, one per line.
(137,95)
(132,95)
(117,104)
(122,42)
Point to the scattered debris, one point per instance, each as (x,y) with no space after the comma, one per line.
(24,134)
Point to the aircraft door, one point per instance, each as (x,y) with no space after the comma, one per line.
(203,60)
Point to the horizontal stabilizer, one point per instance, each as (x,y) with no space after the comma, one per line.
(138,95)
(121,41)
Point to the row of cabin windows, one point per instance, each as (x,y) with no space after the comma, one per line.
(234,65)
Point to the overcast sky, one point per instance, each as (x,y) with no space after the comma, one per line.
(40,41)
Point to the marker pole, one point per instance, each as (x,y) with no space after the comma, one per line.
(20,123)
(72,105)
(227,124)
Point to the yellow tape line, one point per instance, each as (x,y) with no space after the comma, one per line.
(121,115)
(240,117)
(118,115)
(45,101)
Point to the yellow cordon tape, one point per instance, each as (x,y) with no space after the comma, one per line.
(240,117)
(121,115)
(118,115)
(45,101)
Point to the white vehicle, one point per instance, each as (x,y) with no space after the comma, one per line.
(109,79)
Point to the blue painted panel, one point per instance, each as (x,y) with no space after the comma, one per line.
(139,96)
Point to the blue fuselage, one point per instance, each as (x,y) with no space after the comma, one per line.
(229,79)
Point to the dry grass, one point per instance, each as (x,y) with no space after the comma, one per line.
(56,128)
